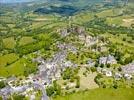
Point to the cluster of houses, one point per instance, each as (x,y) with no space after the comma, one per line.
(28,87)
(107,60)
(126,73)
(85,39)
(68,47)
(116,75)
(51,69)
(66,31)
(88,40)
(128,68)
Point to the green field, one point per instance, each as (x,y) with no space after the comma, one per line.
(25,40)
(106,13)
(101,94)
(8,59)
(18,68)
(9,42)
(115,20)
(82,18)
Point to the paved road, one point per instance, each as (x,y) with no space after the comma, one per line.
(40,86)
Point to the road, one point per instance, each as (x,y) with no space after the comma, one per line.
(40,86)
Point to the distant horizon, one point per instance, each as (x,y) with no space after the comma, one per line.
(15,1)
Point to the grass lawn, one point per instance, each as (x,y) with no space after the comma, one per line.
(106,13)
(16,68)
(9,42)
(25,40)
(87,82)
(8,59)
(101,94)
(116,39)
(83,18)
(128,22)
(121,20)
(110,12)
(115,20)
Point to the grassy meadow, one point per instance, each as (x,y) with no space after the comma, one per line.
(25,40)
(8,59)
(9,42)
(100,94)
(17,68)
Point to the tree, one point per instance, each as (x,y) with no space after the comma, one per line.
(96,79)
(55,89)
(128,60)
(96,64)
(93,69)
(68,73)
(108,65)
(50,90)
(2,84)
(115,86)
(77,82)
(118,55)
(124,39)
(0,98)
(119,69)
(1,44)
(102,65)
(18,97)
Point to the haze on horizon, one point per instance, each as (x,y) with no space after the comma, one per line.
(21,1)
(15,1)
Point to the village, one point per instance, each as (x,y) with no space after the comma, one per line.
(98,71)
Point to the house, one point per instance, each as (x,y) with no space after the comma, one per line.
(90,63)
(32,97)
(104,71)
(82,37)
(64,32)
(39,60)
(6,91)
(117,76)
(68,64)
(71,85)
(128,76)
(58,74)
(20,89)
(49,66)
(80,30)
(11,79)
(107,60)
(108,73)
(2,79)
(99,70)
(91,41)
(103,49)
(128,69)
